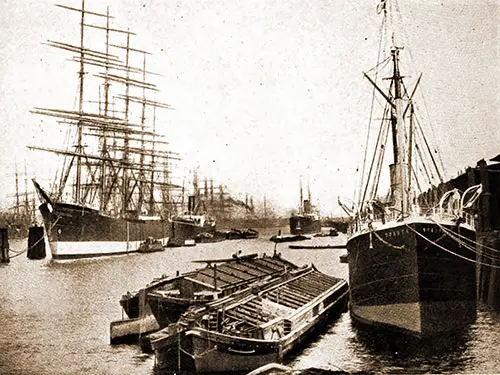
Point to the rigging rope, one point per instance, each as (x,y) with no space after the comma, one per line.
(368,179)
(429,149)
(378,169)
(371,113)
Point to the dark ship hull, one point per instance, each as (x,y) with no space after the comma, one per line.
(405,282)
(304,224)
(75,231)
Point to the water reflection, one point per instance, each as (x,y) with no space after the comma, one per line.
(403,353)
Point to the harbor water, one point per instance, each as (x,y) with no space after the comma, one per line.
(55,316)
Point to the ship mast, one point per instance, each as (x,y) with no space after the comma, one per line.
(301,205)
(104,141)
(79,126)
(143,119)
(115,172)
(125,179)
(399,170)
(151,186)
(16,210)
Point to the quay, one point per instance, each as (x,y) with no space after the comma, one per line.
(317,247)
(487,223)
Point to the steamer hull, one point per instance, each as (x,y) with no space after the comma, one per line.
(402,278)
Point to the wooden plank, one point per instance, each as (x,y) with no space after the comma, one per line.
(283,300)
(221,278)
(311,289)
(242,267)
(235,272)
(299,298)
(251,314)
(301,295)
(265,262)
(249,320)
(301,290)
(260,268)
(254,312)
(222,271)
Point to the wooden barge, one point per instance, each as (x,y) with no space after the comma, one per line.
(252,327)
(162,301)
(218,279)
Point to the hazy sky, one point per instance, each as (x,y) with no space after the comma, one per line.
(264,91)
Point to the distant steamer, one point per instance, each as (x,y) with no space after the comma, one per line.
(305,221)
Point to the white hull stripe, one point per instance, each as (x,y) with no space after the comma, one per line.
(88,249)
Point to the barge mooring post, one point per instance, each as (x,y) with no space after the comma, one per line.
(4,246)
(36,243)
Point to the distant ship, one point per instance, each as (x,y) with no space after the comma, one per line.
(305,221)
(115,175)
(411,268)
(22,213)
(196,221)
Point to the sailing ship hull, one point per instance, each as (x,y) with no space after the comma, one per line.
(405,282)
(300,224)
(75,231)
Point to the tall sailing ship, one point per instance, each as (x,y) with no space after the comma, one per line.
(115,184)
(411,267)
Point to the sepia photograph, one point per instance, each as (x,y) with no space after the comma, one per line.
(249,187)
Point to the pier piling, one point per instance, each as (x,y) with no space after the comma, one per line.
(4,246)
(488,275)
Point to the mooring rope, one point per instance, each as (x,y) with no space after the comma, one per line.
(457,237)
(467,238)
(27,248)
(449,251)
(17,253)
(372,230)
(200,355)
